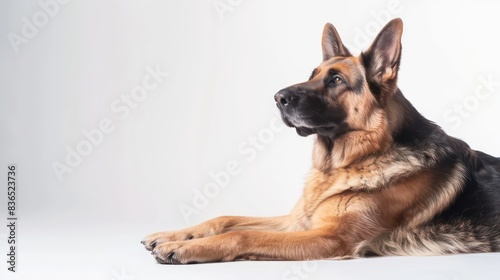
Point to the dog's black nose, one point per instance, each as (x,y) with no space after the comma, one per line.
(284,97)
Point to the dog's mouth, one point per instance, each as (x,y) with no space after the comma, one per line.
(304,129)
(330,131)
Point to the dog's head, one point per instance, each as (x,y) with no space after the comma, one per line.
(345,92)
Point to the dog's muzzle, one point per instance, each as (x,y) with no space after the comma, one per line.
(286,100)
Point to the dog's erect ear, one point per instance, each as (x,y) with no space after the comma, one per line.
(383,57)
(331,43)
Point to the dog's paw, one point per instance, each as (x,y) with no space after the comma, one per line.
(170,253)
(155,239)
(189,252)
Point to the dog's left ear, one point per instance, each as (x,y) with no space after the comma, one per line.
(331,43)
(383,57)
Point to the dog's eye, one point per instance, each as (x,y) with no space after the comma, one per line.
(336,80)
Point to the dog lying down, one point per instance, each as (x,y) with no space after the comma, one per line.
(384,179)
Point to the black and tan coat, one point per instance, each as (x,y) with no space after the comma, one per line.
(384,179)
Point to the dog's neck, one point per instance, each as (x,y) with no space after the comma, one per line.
(391,125)
(351,147)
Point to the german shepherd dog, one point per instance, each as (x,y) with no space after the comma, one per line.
(384,181)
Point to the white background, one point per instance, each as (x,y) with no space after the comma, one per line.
(224,68)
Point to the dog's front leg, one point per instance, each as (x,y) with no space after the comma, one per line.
(220,225)
(254,245)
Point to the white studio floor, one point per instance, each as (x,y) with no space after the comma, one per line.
(115,253)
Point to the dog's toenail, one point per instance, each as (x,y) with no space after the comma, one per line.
(170,255)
